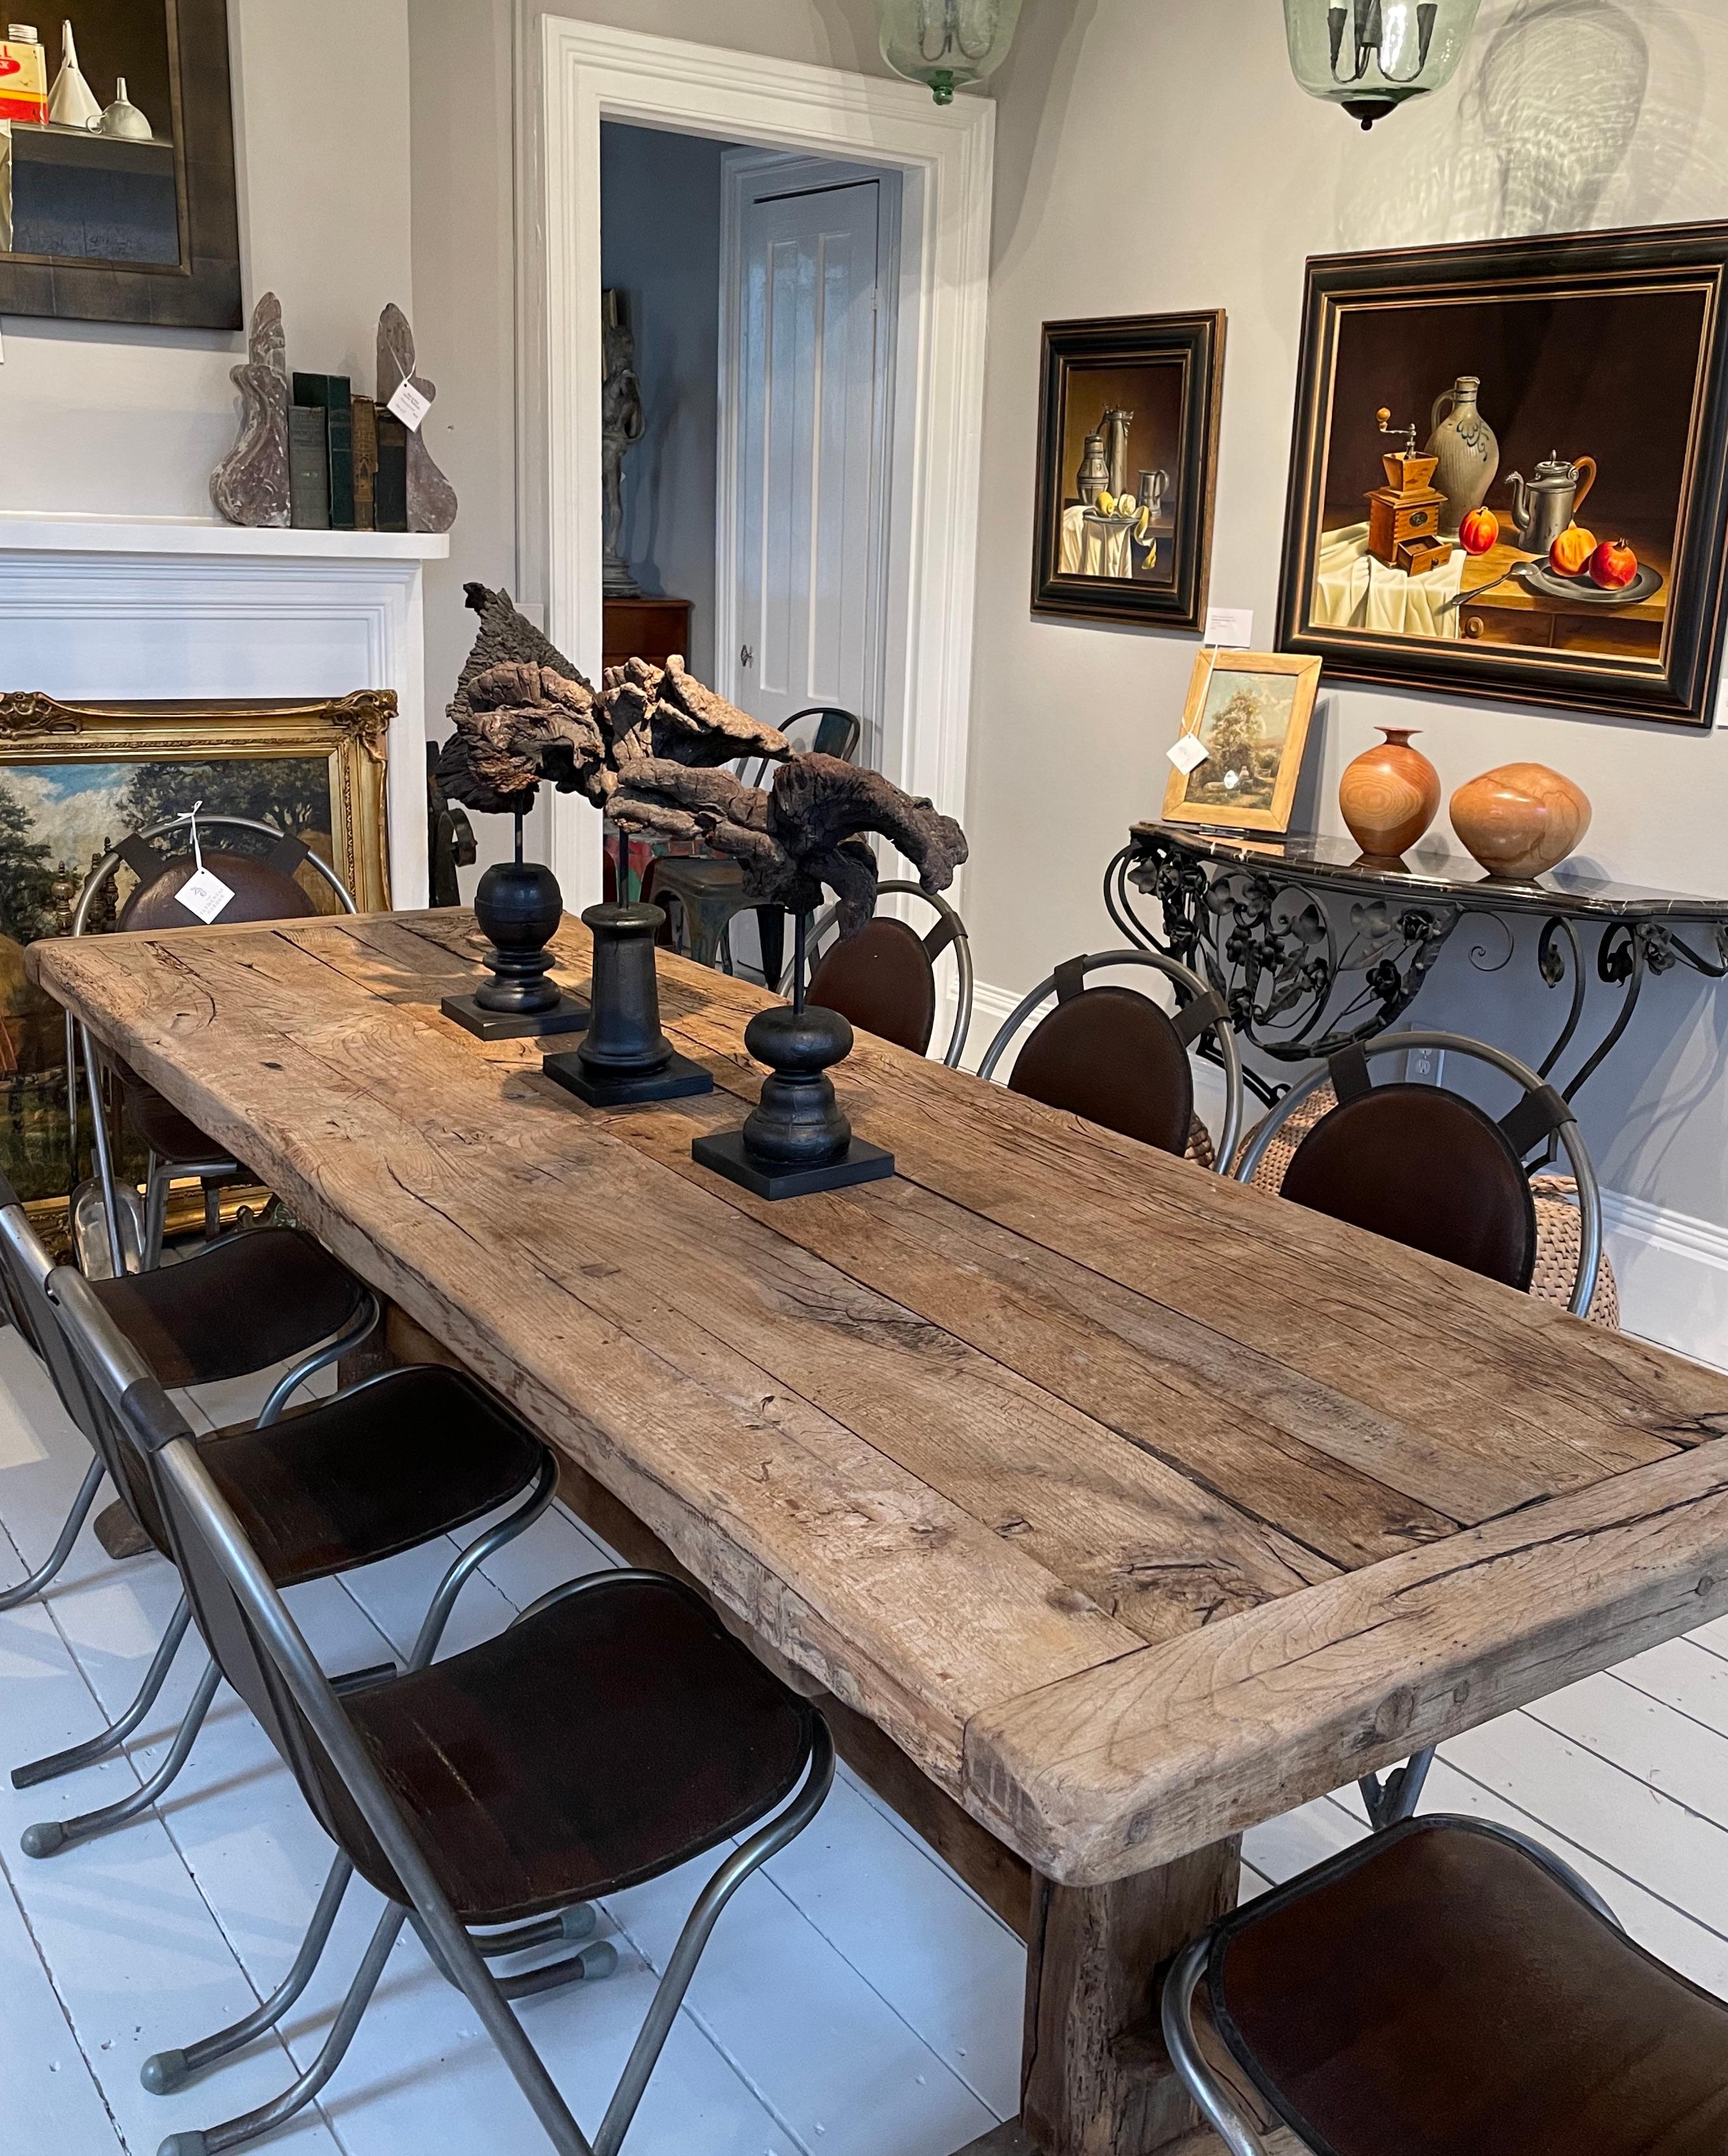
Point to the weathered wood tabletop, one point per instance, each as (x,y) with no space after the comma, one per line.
(1135,1506)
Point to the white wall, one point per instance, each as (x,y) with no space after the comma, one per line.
(104,418)
(659,243)
(1160,157)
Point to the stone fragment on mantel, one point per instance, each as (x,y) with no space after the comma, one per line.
(431,498)
(251,484)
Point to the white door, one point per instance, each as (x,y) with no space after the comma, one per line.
(811,319)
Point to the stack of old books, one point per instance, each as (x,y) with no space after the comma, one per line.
(347,459)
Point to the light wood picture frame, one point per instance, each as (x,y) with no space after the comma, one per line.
(1250,710)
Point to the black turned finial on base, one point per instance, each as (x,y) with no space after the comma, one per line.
(517,906)
(626,1057)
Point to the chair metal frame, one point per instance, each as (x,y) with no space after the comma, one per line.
(157,1176)
(1197,994)
(1240,2135)
(153,1424)
(1394,1798)
(949,933)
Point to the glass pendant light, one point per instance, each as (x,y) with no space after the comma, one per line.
(1370,55)
(946,42)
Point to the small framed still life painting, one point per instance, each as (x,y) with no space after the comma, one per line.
(1127,453)
(1239,754)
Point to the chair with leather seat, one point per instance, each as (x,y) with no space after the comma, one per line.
(883,979)
(1110,1054)
(707,891)
(1448,1988)
(398,1461)
(615,1731)
(266,885)
(1428,1167)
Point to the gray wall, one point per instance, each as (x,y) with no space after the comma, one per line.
(660,238)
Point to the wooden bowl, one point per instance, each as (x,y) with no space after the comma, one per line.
(1519,819)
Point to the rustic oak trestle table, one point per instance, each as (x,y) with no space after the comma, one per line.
(1110,1506)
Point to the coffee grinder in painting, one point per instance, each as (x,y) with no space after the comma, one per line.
(1404,515)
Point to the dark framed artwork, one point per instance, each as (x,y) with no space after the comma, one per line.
(1127,453)
(1506,478)
(133,218)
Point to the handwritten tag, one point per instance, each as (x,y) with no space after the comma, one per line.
(409,405)
(204,895)
(1231,628)
(1187,753)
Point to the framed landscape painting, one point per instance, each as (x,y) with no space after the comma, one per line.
(1248,711)
(1506,478)
(1128,448)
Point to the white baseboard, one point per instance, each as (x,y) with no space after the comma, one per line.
(1672,1268)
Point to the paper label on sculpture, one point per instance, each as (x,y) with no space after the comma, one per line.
(409,407)
(1188,752)
(1230,629)
(204,895)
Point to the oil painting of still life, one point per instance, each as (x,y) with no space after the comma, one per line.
(1508,471)
(1128,444)
(1249,712)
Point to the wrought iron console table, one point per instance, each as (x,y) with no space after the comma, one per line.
(1302,979)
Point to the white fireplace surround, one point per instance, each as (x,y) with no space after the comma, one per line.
(95,607)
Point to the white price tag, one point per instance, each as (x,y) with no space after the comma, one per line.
(409,407)
(204,895)
(1188,752)
(1231,628)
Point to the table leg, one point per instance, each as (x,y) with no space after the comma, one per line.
(1095,2078)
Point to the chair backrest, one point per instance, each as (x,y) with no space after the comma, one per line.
(264,884)
(1112,1055)
(1423,1165)
(884,978)
(832,731)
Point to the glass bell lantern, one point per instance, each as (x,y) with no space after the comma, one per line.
(946,42)
(1370,55)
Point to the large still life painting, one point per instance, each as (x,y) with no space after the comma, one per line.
(1128,439)
(76,780)
(1508,472)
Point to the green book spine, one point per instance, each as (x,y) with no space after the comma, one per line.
(390,493)
(308,468)
(330,393)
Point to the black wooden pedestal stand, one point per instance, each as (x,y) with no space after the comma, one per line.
(626,1057)
(797,1140)
(517,906)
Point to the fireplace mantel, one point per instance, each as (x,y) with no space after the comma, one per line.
(99,607)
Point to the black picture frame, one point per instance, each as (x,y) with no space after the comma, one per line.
(202,290)
(1179,360)
(1545,305)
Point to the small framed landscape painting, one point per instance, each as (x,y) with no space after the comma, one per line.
(1128,449)
(1246,720)
(1506,478)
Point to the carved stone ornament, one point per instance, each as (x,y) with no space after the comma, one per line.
(251,484)
(431,498)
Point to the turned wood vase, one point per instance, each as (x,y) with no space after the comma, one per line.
(1519,819)
(1388,795)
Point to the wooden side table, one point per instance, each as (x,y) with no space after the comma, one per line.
(646,628)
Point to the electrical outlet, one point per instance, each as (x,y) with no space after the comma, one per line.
(1425,1066)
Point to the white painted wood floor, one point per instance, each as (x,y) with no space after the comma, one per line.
(856,2000)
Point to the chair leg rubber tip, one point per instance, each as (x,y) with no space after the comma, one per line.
(43,1839)
(578,1923)
(163,2072)
(597,1960)
(185,2145)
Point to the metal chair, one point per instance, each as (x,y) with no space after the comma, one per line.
(1451,1987)
(1114,1056)
(265,887)
(1424,1167)
(884,978)
(614,1731)
(398,1461)
(709,889)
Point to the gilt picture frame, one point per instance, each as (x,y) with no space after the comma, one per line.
(1128,416)
(1250,711)
(1459,410)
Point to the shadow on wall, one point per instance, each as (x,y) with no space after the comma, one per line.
(1041,66)
(1574,115)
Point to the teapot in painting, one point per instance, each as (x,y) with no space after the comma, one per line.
(1543,507)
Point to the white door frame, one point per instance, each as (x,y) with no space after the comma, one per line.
(589,73)
(741,172)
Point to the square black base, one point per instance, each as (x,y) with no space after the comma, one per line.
(674,1081)
(566,1015)
(724,1153)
